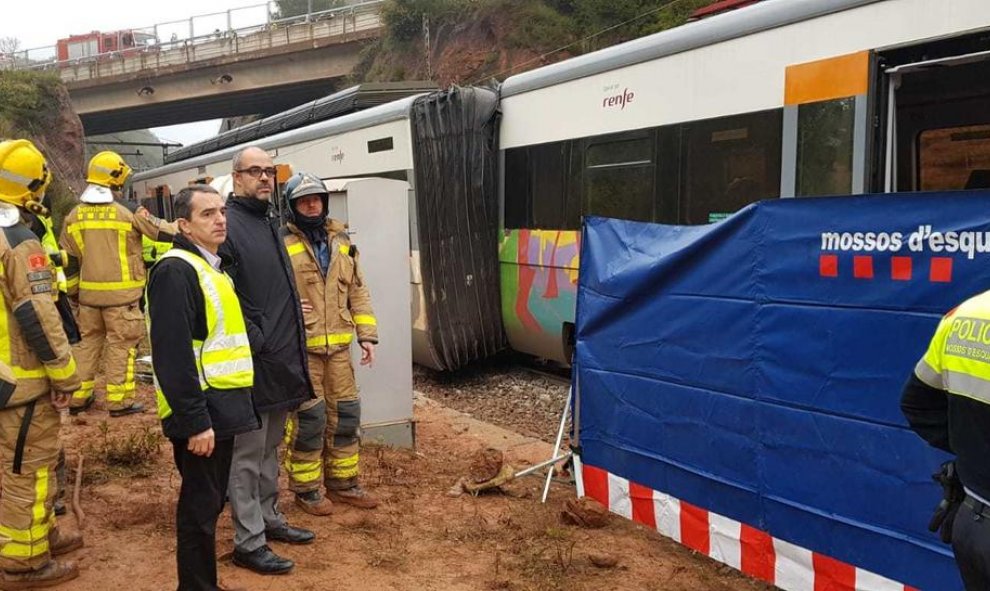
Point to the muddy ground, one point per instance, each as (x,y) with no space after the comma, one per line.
(420,538)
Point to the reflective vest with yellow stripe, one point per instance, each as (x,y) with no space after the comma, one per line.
(151,251)
(223,359)
(105,238)
(958,357)
(341,301)
(56,254)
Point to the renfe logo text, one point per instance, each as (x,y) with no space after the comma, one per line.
(618,100)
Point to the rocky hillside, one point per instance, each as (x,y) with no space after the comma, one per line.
(473,41)
(35,105)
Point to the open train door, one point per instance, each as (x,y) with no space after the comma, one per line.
(932,102)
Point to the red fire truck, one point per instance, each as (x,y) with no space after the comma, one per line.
(96,43)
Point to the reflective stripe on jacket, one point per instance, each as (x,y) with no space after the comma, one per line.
(103,242)
(958,356)
(223,359)
(32,342)
(341,301)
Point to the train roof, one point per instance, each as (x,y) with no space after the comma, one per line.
(355,98)
(393,111)
(753,19)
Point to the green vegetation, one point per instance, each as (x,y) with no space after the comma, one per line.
(552,29)
(28,101)
(30,107)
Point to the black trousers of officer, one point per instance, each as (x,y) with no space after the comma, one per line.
(201,500)
(971,543)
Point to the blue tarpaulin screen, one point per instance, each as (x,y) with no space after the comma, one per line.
(754,367)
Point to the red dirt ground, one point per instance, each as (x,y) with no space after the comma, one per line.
(420,538)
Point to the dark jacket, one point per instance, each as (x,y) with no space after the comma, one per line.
(178,315)
(957,424)
(262,276)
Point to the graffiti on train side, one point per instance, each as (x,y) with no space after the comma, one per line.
(539,278)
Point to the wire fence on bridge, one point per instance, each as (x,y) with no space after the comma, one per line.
(200,37)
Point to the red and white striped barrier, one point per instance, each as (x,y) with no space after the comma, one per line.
(745,548)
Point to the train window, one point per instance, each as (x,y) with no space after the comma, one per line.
(825,148)
(548,179)
(619,176)
(516,186)
(624,192)
(668,174)
(954,158)
(623,152)
(572,196)
(729,163)
(380,145)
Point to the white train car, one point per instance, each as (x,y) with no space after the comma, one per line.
(784,98)
(453,270)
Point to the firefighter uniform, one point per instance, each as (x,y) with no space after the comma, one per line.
(323,435)
(35,353)
(106,272)
(43,227)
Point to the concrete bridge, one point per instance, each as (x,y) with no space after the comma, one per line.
(263,69)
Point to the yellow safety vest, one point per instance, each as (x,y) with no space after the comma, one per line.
(151,251)
(958,357)
(57,255)
(223,359)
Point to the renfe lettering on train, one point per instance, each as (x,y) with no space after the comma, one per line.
(618,100)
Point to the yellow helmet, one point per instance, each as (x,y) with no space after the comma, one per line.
(108,169)
(23,172)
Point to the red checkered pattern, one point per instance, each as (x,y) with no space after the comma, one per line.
(752,551)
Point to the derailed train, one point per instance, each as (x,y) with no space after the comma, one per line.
(685,126)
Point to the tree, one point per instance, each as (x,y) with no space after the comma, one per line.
(9,45)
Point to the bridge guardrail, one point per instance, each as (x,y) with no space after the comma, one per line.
(337,22)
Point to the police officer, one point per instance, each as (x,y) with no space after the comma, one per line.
(105,270)
(34,351)
(947,402)
(324,434)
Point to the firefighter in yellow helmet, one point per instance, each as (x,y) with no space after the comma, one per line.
(106,273)
(38,217)
(34,348)
(323,435)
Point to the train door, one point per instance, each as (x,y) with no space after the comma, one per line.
(933,124)
(159,202)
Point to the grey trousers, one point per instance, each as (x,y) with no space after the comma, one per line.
(253,488)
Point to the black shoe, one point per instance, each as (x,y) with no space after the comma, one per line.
(290,535)
(263,561)
(59,507)
(74,410)
(133,409)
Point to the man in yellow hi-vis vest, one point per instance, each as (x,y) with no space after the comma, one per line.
(203,374)
(35,354)
(323,435)
(106,272)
